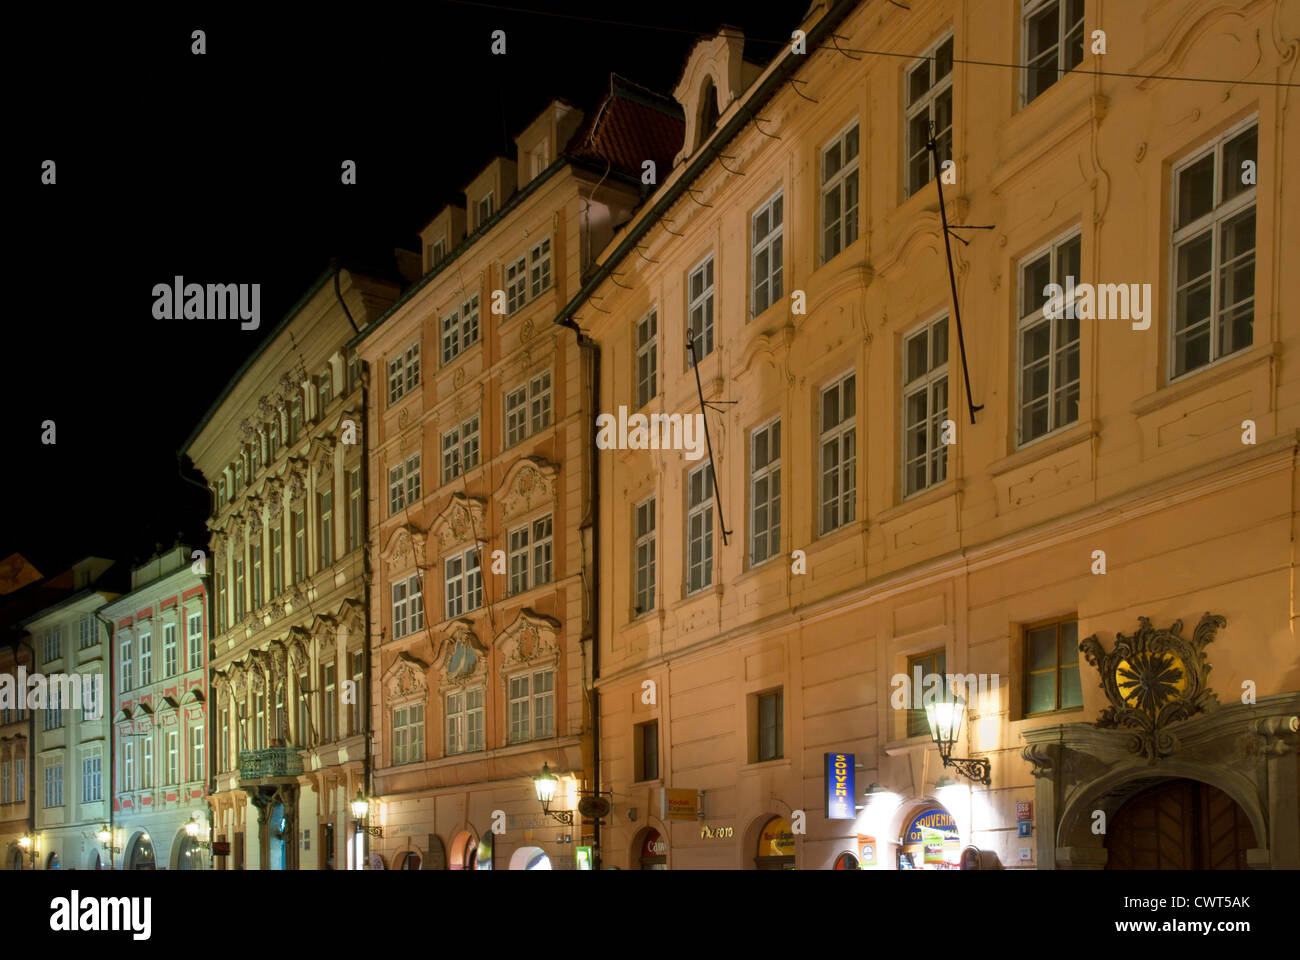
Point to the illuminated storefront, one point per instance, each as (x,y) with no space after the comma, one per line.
(775,846)
(930,842)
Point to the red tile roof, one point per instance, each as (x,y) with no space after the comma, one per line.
(631,125)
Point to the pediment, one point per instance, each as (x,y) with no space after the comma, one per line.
(405,547)
(531,640)
(460,522)
(528,484)
(405,679)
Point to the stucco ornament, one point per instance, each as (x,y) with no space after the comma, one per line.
(1155,678)
(531,640)
(459,522)
(530,483)
(406,678)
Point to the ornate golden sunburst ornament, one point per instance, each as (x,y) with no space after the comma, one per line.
(1154,678)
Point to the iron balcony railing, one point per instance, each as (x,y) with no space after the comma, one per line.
(269,762)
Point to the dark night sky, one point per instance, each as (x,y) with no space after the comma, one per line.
(225,169)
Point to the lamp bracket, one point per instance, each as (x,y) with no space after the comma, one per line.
(976,770)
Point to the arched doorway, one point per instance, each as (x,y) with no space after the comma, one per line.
(464,851)
(409,861)
(775,846)
(649,850)
(530,858)
(139,855)
(1179,825)
(930,840)
(189,854)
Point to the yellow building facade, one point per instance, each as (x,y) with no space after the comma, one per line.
(1129,455)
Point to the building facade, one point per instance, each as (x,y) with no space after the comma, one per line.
(480,526)
(281,452)
(160,718)
(1037,503)
(69,785)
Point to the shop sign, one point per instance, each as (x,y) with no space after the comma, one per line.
(1024,810)
(654,845)
(866,850)
(221,848)
(839,786)
(678,804)
(777,840)
(716,833)
(932,845)
(1024,829)
(938,820)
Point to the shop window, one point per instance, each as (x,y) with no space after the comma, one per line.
(775,846)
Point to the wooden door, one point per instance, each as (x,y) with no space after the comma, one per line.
(1179,825)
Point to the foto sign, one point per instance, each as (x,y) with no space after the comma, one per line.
(839,787)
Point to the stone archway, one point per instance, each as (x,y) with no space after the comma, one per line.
(1179,824)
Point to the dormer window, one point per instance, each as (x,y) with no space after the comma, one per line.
(538,160)
(437,253)
(708,110)
(486,207)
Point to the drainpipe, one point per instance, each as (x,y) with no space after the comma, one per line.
(206,579)
(112,749)
(593,350)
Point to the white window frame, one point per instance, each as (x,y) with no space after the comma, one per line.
(408,732)
(846,475)
(196,753)
(1031,321)
(124,664)
(404,484)
(170,664)
(848,170)
(516,283)
(927,104)
(146,761)
(1213,221)
(539,268)
(647,358)
(404,373)
(325,516)
(460,329)
(488,200)
(531,553)
(926,384)
(460,448)
(528,408)
(356,521)
(91,779)
(699,513)
(462,582)
(644,549)
(408,606)
(769,283)
(173,757)
(1028,9)
(769,535)
(702,303)
(526,706)
(194,632)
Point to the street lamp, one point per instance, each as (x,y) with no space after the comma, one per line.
(28,842)
(945,718)
(104,835)
(544,784)
(360,810)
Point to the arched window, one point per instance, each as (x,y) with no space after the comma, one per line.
(708,110)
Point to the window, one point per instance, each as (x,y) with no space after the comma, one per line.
(486,206)
(295,419)
(1052,42)
(408,734)
(539,268)
(273,436)
(124,663)
(325,511)
(86,633)
(146,762)
(6,781)
(1214,253)
(53,645)
(404,373)
(1048,381)
(460,329)
(465,721)
(255,456)
(437,252)
(196,753)
(404,485)
(647,358)
(243,727)
(169,650)
(173,757)
(1052,667)
(328,732)
(299,546)
(223,745)
(20,779)
(699,312)
(530,555)
(54,785)
(528,408)
(221,494)
(408,607)
(53,719)
(923,666)
(146,658)
(304,711)
(89,707)
(643,557)
(699,528)
(239,586)
(239,476)
(765,492)
(354,509)
(840,193)
(255,551)
(765,255)
(128,766)
(281,721)
(194,626)
(464,583)
(838,446)
(259,718)
(646,750)
(277,561)
(325,388)
(771,725)
(929,102)
(532,706)
(516,284)
(223,612)
(925,406)
(460,449)
(538,160)
(357,724)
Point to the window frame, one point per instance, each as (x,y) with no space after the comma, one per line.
(774,281)
(927,103)
(646,357)
(1058,623)
(1052,250)
(851,168)
(778,726)
(463,580)
(925,383)
(771,472)
(694,510)
(1029,8)
(404,373)
(847,514)
(706,302)
(643,537)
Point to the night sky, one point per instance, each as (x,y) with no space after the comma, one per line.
(225,168)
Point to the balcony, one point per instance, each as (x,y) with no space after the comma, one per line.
(269,763)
